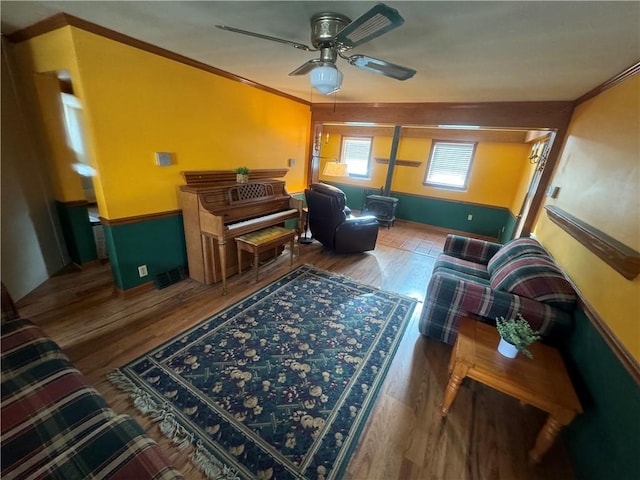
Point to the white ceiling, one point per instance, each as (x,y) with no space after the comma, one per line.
(462,51)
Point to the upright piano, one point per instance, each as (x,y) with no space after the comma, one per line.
(216,210)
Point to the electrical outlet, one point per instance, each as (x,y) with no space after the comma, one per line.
(292,162)
(142,271)
(469,217)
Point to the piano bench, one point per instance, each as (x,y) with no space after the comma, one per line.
(263,240)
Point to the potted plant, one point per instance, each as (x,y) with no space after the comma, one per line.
(515,336)
(242,175)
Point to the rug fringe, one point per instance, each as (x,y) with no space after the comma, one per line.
(213,468)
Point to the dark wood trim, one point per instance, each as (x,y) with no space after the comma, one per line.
(64,19)
(442,199)
(475,135)
(137,290)
(49,24)
(139,218)
(612,82)
(623,259)
(404,163)
(429,197)
(395,142)
(629,362)
(75,203)
(509,115)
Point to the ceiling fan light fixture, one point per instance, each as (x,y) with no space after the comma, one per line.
(327,79)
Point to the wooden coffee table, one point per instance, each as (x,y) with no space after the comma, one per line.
(542,381)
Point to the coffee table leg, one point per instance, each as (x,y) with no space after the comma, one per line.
(457,375)
(545,439)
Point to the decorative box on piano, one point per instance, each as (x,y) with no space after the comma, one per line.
(216,209)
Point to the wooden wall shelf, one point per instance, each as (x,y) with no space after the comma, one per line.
(622,258)
(404,163)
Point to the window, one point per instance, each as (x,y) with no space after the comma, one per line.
(449,164)
(355,153)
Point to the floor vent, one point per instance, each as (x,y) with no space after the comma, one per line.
(169,277)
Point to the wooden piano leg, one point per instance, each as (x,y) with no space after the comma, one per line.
(208,267)
(222,249)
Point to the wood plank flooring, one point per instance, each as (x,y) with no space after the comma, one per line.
(486,435)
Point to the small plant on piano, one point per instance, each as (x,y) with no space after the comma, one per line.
(242,175)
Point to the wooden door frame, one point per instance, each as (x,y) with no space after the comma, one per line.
(553,116)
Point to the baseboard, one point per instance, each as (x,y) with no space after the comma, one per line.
(132,292)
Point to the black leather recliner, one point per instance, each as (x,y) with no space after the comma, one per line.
(332,224)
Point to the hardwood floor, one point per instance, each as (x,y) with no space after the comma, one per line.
(486,435)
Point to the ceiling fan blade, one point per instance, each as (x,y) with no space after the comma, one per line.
(297,45)
(381,66)
(306,67)
(380,19)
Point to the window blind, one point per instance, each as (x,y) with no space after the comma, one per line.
(449,164)
(355,153)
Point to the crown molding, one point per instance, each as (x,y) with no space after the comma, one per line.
(612,82)
(64,19)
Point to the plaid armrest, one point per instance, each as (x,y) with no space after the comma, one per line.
(451,295)
(472,249)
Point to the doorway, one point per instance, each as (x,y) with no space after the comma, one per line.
(539,155)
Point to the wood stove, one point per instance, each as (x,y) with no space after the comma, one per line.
(383,207)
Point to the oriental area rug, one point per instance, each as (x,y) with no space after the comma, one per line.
(278,385)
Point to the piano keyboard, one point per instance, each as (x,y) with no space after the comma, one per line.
(265,218)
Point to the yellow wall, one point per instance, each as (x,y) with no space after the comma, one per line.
(39,59)
(599,179)
(496,173)
(137,103)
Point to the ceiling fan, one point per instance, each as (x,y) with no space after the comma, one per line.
(333,34)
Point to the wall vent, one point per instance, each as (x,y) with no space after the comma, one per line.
(169,277)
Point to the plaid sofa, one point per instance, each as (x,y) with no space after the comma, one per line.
(486,280)
(55,426)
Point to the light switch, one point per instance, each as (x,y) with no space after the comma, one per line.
(164,159)
(292,162)
(553,191)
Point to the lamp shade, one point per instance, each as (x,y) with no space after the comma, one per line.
(326,79)
(335,169)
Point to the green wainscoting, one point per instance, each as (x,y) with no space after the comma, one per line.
(507,233)
(157,243)
(486,220)
(604,441)
(77,231)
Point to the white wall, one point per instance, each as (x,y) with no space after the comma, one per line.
(30,251)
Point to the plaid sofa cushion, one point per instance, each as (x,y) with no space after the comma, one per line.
(471,249)
(54,425)
(535,277)
(451,295)
(25,346)
(459,265)
(514,249)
